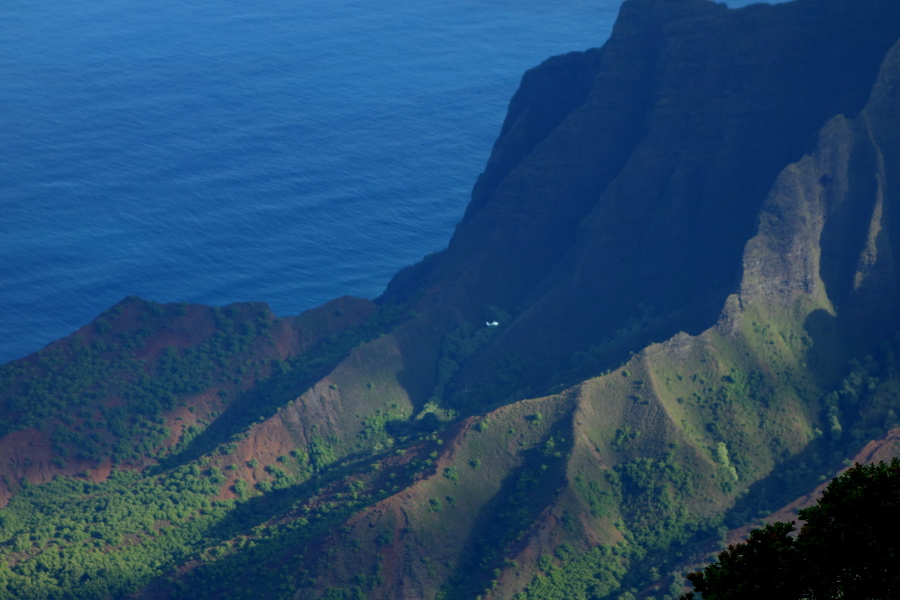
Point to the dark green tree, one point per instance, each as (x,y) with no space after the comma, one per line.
(848,548)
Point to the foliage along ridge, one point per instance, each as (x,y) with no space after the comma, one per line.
(401,449)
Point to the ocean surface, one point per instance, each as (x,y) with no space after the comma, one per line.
(287,151)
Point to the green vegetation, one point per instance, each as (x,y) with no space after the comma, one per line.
(178,512)
(846,548)
(288,380)
(583,575)
(225,453)
(653,495)
(105,401)
(510,514)
(860,402)
(72,538)
(76,539)
(155,521)
(459,346)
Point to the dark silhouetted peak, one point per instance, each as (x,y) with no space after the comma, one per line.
(635,205)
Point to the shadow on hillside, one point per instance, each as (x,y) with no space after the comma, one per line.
(264,533)
(289,380)
(789,480)
(258,403)
(524,493)
(248,557)
(847,360)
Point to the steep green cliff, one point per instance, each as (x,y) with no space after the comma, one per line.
(686,239)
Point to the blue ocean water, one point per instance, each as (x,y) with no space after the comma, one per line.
(287,151)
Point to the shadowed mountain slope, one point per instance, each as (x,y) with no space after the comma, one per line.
(688,239)
(615,206)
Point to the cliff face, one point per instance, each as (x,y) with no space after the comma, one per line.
(689,240)
(628,194)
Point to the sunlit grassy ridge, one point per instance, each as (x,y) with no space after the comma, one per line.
(528,429)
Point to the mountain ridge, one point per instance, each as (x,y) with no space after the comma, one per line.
(401,449)
(601,256)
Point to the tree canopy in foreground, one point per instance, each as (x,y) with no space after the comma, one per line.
(848,547)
